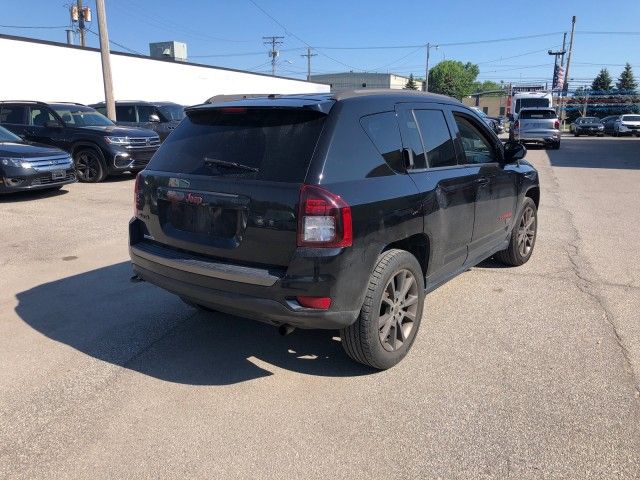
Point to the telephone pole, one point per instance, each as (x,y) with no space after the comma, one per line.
(106,62)
(274,42)
(81,27)
(309,55)
(426,73)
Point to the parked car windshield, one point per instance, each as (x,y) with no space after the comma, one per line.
(479,112)
(264,144)
(7,136)
(172,112)
(631,118)
(537,114)
(589,120)
(80,116)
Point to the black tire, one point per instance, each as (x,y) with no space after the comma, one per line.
(514,255)
(576,134)
(555,146)
(363,340)
(90,167)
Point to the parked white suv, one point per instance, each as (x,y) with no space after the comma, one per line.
(627,125)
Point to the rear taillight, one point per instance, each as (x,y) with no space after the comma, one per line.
(557,125)
(516,125)
(137,196)
(324,219)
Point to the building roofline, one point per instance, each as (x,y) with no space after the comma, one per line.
(135,55)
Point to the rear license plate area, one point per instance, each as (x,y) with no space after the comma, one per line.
(206,220)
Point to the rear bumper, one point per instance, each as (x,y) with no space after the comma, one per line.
(538,136)
(266,295)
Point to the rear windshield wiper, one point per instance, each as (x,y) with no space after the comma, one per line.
(214,161)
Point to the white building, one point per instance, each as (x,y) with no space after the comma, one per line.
(354,80)
(51,71)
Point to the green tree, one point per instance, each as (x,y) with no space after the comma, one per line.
(488,86)
(453,78)
(626,82)
(411,84)
(603,82)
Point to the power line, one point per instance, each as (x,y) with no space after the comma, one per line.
(43,27)
(130,50)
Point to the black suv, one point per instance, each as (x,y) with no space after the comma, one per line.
(98,147)
(32,167)
(161,117)
(331,211)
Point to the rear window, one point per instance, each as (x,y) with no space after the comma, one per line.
(538,114)
(266,144)
(531,103)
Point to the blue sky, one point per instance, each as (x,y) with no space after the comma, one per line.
(229,33)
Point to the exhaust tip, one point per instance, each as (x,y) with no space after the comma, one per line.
(285,330)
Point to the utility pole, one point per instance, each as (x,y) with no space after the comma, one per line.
(106,62)
(274,42)
(81,27)
(309,55)
(564,48)
(426,80)
(565,87)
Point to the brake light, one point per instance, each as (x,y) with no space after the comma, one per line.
(321,303)
(324,219)
(517,124)
(137,202)
(234,110)
(557,125)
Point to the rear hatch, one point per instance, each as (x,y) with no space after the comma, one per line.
(226,183)
(538,120)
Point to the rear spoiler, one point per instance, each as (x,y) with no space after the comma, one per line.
(238,96)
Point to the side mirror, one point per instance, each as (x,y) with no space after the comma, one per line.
(514,151)
(52,124)
(154,118)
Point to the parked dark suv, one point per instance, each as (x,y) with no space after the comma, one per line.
(24,166)
(161,117)
(98,147)
(331,211)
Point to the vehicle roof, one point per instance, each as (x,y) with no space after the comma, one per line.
(142,102)
(38,102)
(69,104)
(536,108)
(320,101)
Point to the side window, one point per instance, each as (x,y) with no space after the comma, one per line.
(144,111)
(436,138)
(412,140)
(102,110)
(126,113)
(477,148)
(382,129)
(13,114)
(39,116)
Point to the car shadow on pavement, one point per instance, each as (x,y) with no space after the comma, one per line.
(33,195)
(143,328)
(621,153)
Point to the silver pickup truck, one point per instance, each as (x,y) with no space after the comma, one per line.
(538,125)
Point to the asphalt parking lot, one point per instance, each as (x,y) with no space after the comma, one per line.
(529,372)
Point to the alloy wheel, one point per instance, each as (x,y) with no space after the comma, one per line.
(526,231)
(398,309)
(87,166)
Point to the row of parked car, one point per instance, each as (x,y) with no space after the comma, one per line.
(48,145)
(616,125)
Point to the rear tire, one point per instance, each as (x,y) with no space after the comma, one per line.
(555,146)
(391,313)
(523,237)
(89,165)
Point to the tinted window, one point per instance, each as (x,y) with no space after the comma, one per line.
(81,116)
(279,143)
(145,111)
(477,148)
(436,138)
(13,114)
(539,114)
(531,103)
(172,112)
(102,110)
(382,129)
(411,139)
(125,113)
(40,116)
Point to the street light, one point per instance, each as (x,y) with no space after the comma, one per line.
(426,79)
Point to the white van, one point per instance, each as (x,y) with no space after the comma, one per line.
(530,100)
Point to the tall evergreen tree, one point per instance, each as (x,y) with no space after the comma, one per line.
(603,82)
(626,82)
(411,84)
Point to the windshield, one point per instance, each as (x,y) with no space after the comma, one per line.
(590,120)
(531,103)
(263,144)
(82,116)
(631,118)
(7,136)
(172,112)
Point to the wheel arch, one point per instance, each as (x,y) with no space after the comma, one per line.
(534,194)
(419,245)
